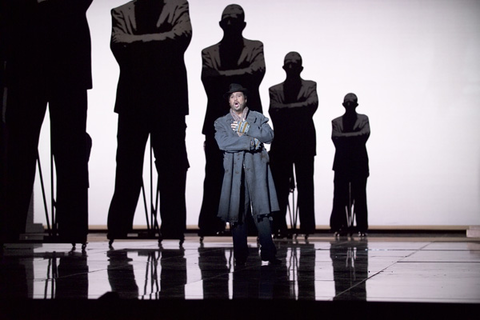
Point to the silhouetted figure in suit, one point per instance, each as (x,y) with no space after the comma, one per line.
(350,133)
(48,62)
(233,60)
(292,106)
(149,39)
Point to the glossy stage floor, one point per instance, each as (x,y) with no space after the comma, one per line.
(412,275)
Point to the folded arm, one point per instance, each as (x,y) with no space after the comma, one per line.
(360,131)
(229,141)
(177,23)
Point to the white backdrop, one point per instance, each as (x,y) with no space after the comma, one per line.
(413,64)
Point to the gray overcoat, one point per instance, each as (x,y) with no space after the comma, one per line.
(240,155)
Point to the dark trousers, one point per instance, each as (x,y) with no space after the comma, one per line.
(24,117)
(240,234)
(167,134)
(282,171)
(240,231)
(358,189)
(208,222)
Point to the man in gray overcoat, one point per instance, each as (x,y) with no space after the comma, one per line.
(233,60)
(248,186)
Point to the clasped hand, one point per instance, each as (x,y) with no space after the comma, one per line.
(240,127)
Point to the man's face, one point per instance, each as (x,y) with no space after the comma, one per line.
(233,19)
(293,68)
(237,102)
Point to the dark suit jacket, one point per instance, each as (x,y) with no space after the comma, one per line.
(216,79)
(153,76)
(351,156)
(48,44)
(294,128)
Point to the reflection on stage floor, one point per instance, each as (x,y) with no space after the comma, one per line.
(430,269)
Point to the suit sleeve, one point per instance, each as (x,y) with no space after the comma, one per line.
(255,71)
(276,101)
(360,134)
(174,23)
(308,100)
(210,75)
(260,129)
(310,104)
(181,33)
(119,30)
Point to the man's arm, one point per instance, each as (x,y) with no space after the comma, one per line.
(210,75)
(255,55)
(228,140)
(179,18)
(260,129)
(311,100)
(308,100)
(120,35)
(252,73)
(276,101)
(362,129)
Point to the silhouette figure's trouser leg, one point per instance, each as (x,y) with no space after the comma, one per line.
(168,141)
(68,118)
(281,172)
(131,139)
(359,191)
(208,222)
(68,112)
(340,200)
(24,118)
(338,219)
(304,168)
